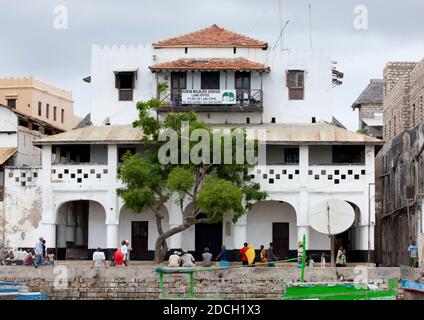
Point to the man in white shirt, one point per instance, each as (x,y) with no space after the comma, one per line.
(174,260)
(99,258)
(187,260)
(124,250)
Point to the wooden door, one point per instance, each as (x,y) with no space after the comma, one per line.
(280,239)
(139,237)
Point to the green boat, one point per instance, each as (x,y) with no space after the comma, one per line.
(339,291)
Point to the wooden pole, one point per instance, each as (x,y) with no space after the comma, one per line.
(333,250)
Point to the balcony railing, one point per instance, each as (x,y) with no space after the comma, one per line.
(245,100)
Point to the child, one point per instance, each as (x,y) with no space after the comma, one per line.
(323,260)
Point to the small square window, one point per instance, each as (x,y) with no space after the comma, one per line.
(60,176)
(330,177)
(35,174)
(363,172)
(271,181)
(284,171)
(277,177)
(271,171)
(16,179)
(310,172)
(258,171)
(23,184)
(10,174)
(105,171)
(265,176)
(29,179)
(79,180)
(323,172)
(316,177)
(349,172)
(72,175)
(336,172)
(337,181)
(356,176)
(92,171)
(290,177)
(23,175)
(343,177)
(98,176)
(79,171)
(297,172)
(85,175)
(66,171)
(252,176)
(53,171)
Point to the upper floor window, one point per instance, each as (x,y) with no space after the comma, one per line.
(125,83)
(296,84)
(39,108)
(11,103)
(47,110)
(210,80)
(54,113)
(62,115)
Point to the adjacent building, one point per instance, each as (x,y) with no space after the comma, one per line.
(402,163)
(370,109)
(40,100)
(231,80)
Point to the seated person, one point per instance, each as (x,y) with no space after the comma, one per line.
(28,259)
(207,258)
(174,260)
(187,260)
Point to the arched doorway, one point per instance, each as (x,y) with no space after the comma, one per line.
(141,231)
(273,221)
(80,228)
(349,239)
(207,235)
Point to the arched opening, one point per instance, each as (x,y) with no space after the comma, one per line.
(273,221)
(350,239)
(80,226)
(207,235)
(140,229)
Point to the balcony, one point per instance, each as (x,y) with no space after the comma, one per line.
(212,100)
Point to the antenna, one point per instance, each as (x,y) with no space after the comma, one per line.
(281,33)
(310,25)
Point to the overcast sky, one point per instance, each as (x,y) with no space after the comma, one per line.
(30,45)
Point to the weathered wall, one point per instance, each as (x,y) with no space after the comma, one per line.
(402,165)
(143,282)
(22,207)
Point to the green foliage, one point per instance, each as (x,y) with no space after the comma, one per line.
(214,189)
(219,197)
(162,87)
(362,131)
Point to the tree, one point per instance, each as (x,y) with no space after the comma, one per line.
(215,189)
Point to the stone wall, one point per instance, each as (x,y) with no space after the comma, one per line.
(417,93)
(137,282)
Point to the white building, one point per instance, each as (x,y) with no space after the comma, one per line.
(288,93)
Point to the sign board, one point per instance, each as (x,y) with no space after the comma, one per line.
(208,96)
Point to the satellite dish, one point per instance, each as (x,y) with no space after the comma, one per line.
(332,217)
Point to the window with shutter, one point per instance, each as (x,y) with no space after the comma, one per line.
(125,83)
(296,84)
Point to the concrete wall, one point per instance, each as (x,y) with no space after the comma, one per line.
(143,282)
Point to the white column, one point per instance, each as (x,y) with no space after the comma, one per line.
(239,233)
(112,236)
(301,231)
(175,242)
(50,234)
(304,165)
(112,161)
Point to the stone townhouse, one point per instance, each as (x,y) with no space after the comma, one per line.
(286,93)
(402,167)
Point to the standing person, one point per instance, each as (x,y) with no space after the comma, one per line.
(39,252)
(118,257)
(129,249)
(413,254)
(271,255)
(300,254)
(45,259)
(264,258)
(323,260)
(223,257)
(243,254)
(339,257)
(207,258)
(174,260)
(250,254)
(261,249)
(124,250)
(99,258)
(343,259)
(187,260)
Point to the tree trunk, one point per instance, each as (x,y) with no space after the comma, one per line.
(160,254)
(160,248)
